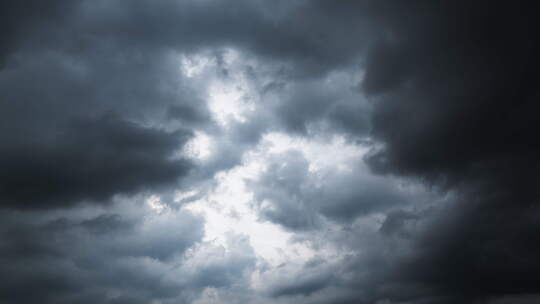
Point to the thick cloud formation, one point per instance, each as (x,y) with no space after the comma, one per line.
(88,160)
(79,118)
(82,60)
(100,102)
(290,194)
(455,93)
(105,258)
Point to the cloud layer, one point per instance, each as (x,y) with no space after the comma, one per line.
(284,152)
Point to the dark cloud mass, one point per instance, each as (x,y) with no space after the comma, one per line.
(296,198)
(88,160)
(118,126)
(455,93)
(106,258)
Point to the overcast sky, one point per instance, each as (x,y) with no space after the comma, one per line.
(251,151)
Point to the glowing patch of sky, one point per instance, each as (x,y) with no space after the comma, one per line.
(199,147)
(228,208)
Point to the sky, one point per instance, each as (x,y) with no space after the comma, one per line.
(251,151)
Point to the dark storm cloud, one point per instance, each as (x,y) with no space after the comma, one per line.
(81,261)
(61,144)
(467,99)
(85,59)
(93,103)
(396,223)
(453,88)
(111,258)
(88,160)
(455,92)
(16,19)
(334,100)
(303,34)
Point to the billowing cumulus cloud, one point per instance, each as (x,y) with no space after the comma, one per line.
(104,258)
(269,152)
(291,194)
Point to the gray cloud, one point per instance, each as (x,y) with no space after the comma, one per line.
(332,102)
(313,277)
(94,106)
(88,160)
(454,91)
(106,258)
(290,195)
